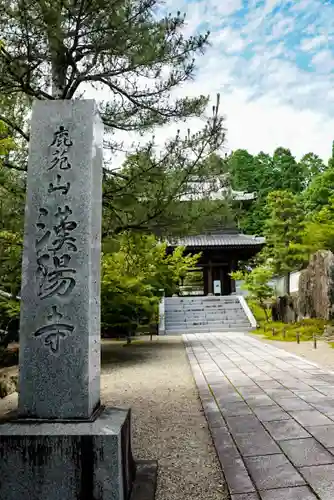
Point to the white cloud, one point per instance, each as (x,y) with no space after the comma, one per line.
(266,124)
(226,7)
(312,43)
(323,61)
(267,95)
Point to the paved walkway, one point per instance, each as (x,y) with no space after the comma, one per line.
(271,416)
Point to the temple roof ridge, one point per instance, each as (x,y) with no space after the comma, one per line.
(219,238)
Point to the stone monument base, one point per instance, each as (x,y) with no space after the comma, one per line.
(72,460)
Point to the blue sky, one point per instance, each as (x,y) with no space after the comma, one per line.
(273,63)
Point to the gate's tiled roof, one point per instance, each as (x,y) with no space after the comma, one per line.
(219,240)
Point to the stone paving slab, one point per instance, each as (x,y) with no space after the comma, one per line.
(273,471)
(297,493)
(291,404)
(324,434)
(271,413)
(235,409)
(271,416)
(306,452)
(321,479)
(286,429)
(237,476)
(310,417)
(257,443)
(245,496)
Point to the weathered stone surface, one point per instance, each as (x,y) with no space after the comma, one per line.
(316,287)
(245,496)
(237,477)
(60,307)
(256,443)
(297,493)
(311,396)
(235,409)
(304,452)
(284,309)
(320,477)
(66,461)
(326,407)
(260,400)
(145,484)
(286,429)
(243,424)
(273,471)
(323,433)
(224,444)
(290,404)
(312,417)
(271,413)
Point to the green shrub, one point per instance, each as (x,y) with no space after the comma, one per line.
(256,283)
(9,321)
(9,311)
(133,274)
(257,310)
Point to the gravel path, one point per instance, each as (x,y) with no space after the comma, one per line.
(155,379)
(323,355)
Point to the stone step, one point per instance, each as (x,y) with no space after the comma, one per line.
(206,298)
(203,304)
(202,309)
(208,330)
(176,326)
(206,314)
(206,321)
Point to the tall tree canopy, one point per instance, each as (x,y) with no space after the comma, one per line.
(263,174)
(135,58)
(319,191)
(283,230)
(54,49)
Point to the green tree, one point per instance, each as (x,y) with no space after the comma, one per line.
(288,171)
(133,275)
(165,197)
(331,159)
(319,229)
(256,283)
(284,248)
(319,191)
(242,170)
(268,176)
(53,50)
(310,166)
(12,189)
(57,50)
(263,174)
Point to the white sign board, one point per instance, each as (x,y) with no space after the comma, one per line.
(217,287)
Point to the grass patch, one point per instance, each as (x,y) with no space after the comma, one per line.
(287,332)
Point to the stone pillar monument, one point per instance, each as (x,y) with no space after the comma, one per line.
(62,444)
(60,296)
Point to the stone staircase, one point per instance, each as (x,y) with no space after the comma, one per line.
(206,314)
